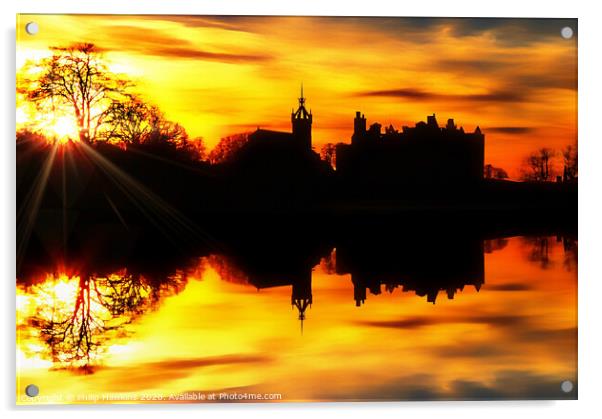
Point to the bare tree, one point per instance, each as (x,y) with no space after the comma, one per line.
(75,80)
(128,121)
(570,158)
(137,123)
(163,131)
(538,166)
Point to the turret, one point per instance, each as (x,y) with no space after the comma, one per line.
(359,128)
(301,120)
(431,121)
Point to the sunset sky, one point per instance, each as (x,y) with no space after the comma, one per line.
(516,79)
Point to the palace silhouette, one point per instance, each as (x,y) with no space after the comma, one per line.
(425,154)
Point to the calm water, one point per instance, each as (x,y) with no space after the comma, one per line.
(505,327)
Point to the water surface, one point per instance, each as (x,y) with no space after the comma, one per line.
(497,321)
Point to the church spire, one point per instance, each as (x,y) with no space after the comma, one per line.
(301,120)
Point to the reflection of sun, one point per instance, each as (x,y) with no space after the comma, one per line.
(65,289)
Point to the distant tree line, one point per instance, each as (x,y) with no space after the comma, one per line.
(539,167)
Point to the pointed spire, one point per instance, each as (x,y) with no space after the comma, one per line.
(301,99)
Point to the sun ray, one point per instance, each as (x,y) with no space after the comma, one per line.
(164,216)
(27,214)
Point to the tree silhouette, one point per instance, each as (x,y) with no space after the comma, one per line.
(227,147)
(570,158)
(133,122)
(124,293)
(75,80)
(538,166)
(128,121)
(491,172)
(329,155)
(195,148)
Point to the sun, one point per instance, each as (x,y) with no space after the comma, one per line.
(63,128)
(55,126)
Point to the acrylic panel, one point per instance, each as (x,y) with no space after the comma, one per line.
(283,209)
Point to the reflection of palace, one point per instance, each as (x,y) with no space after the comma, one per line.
(414,266)
(362,284)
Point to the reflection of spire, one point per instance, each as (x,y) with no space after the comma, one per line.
(302,304)
(301,296)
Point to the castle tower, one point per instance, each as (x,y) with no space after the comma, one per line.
(359,128)
(301,120)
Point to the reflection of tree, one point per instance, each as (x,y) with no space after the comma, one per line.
(539,251)
(227,270)
(72,336)
(77,316)
(491,245)
(570,254)
(328,264)
(125,293)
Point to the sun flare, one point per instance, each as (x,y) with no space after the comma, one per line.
(62,128)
